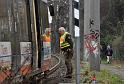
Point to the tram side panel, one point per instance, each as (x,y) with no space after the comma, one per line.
(13,39)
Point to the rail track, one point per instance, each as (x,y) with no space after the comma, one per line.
(54,75)
(35,75)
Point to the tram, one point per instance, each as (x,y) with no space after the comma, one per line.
(22,22)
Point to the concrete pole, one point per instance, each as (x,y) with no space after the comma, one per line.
(86,25)
(81,21)
(92,26)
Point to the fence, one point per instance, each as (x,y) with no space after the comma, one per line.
(7,72)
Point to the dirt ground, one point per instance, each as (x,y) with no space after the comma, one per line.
(118,63)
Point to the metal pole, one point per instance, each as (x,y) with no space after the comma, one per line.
(71,18)
(77,51)
(77,39)
(77,60)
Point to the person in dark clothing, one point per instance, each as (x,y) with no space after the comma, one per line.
(66,46)
(109,53)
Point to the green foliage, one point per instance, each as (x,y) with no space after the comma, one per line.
(112,29)
(117,42)
(105,77)
(108,39)
(102,77)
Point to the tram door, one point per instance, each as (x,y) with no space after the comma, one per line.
(16,36)
(42,22)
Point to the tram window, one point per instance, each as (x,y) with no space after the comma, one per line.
(51,8)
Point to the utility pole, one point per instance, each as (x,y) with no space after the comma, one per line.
(81,21)
(92,28)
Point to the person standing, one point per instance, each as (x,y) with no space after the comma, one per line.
(109,53)
(66,46)
(46,38)
(46,35)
